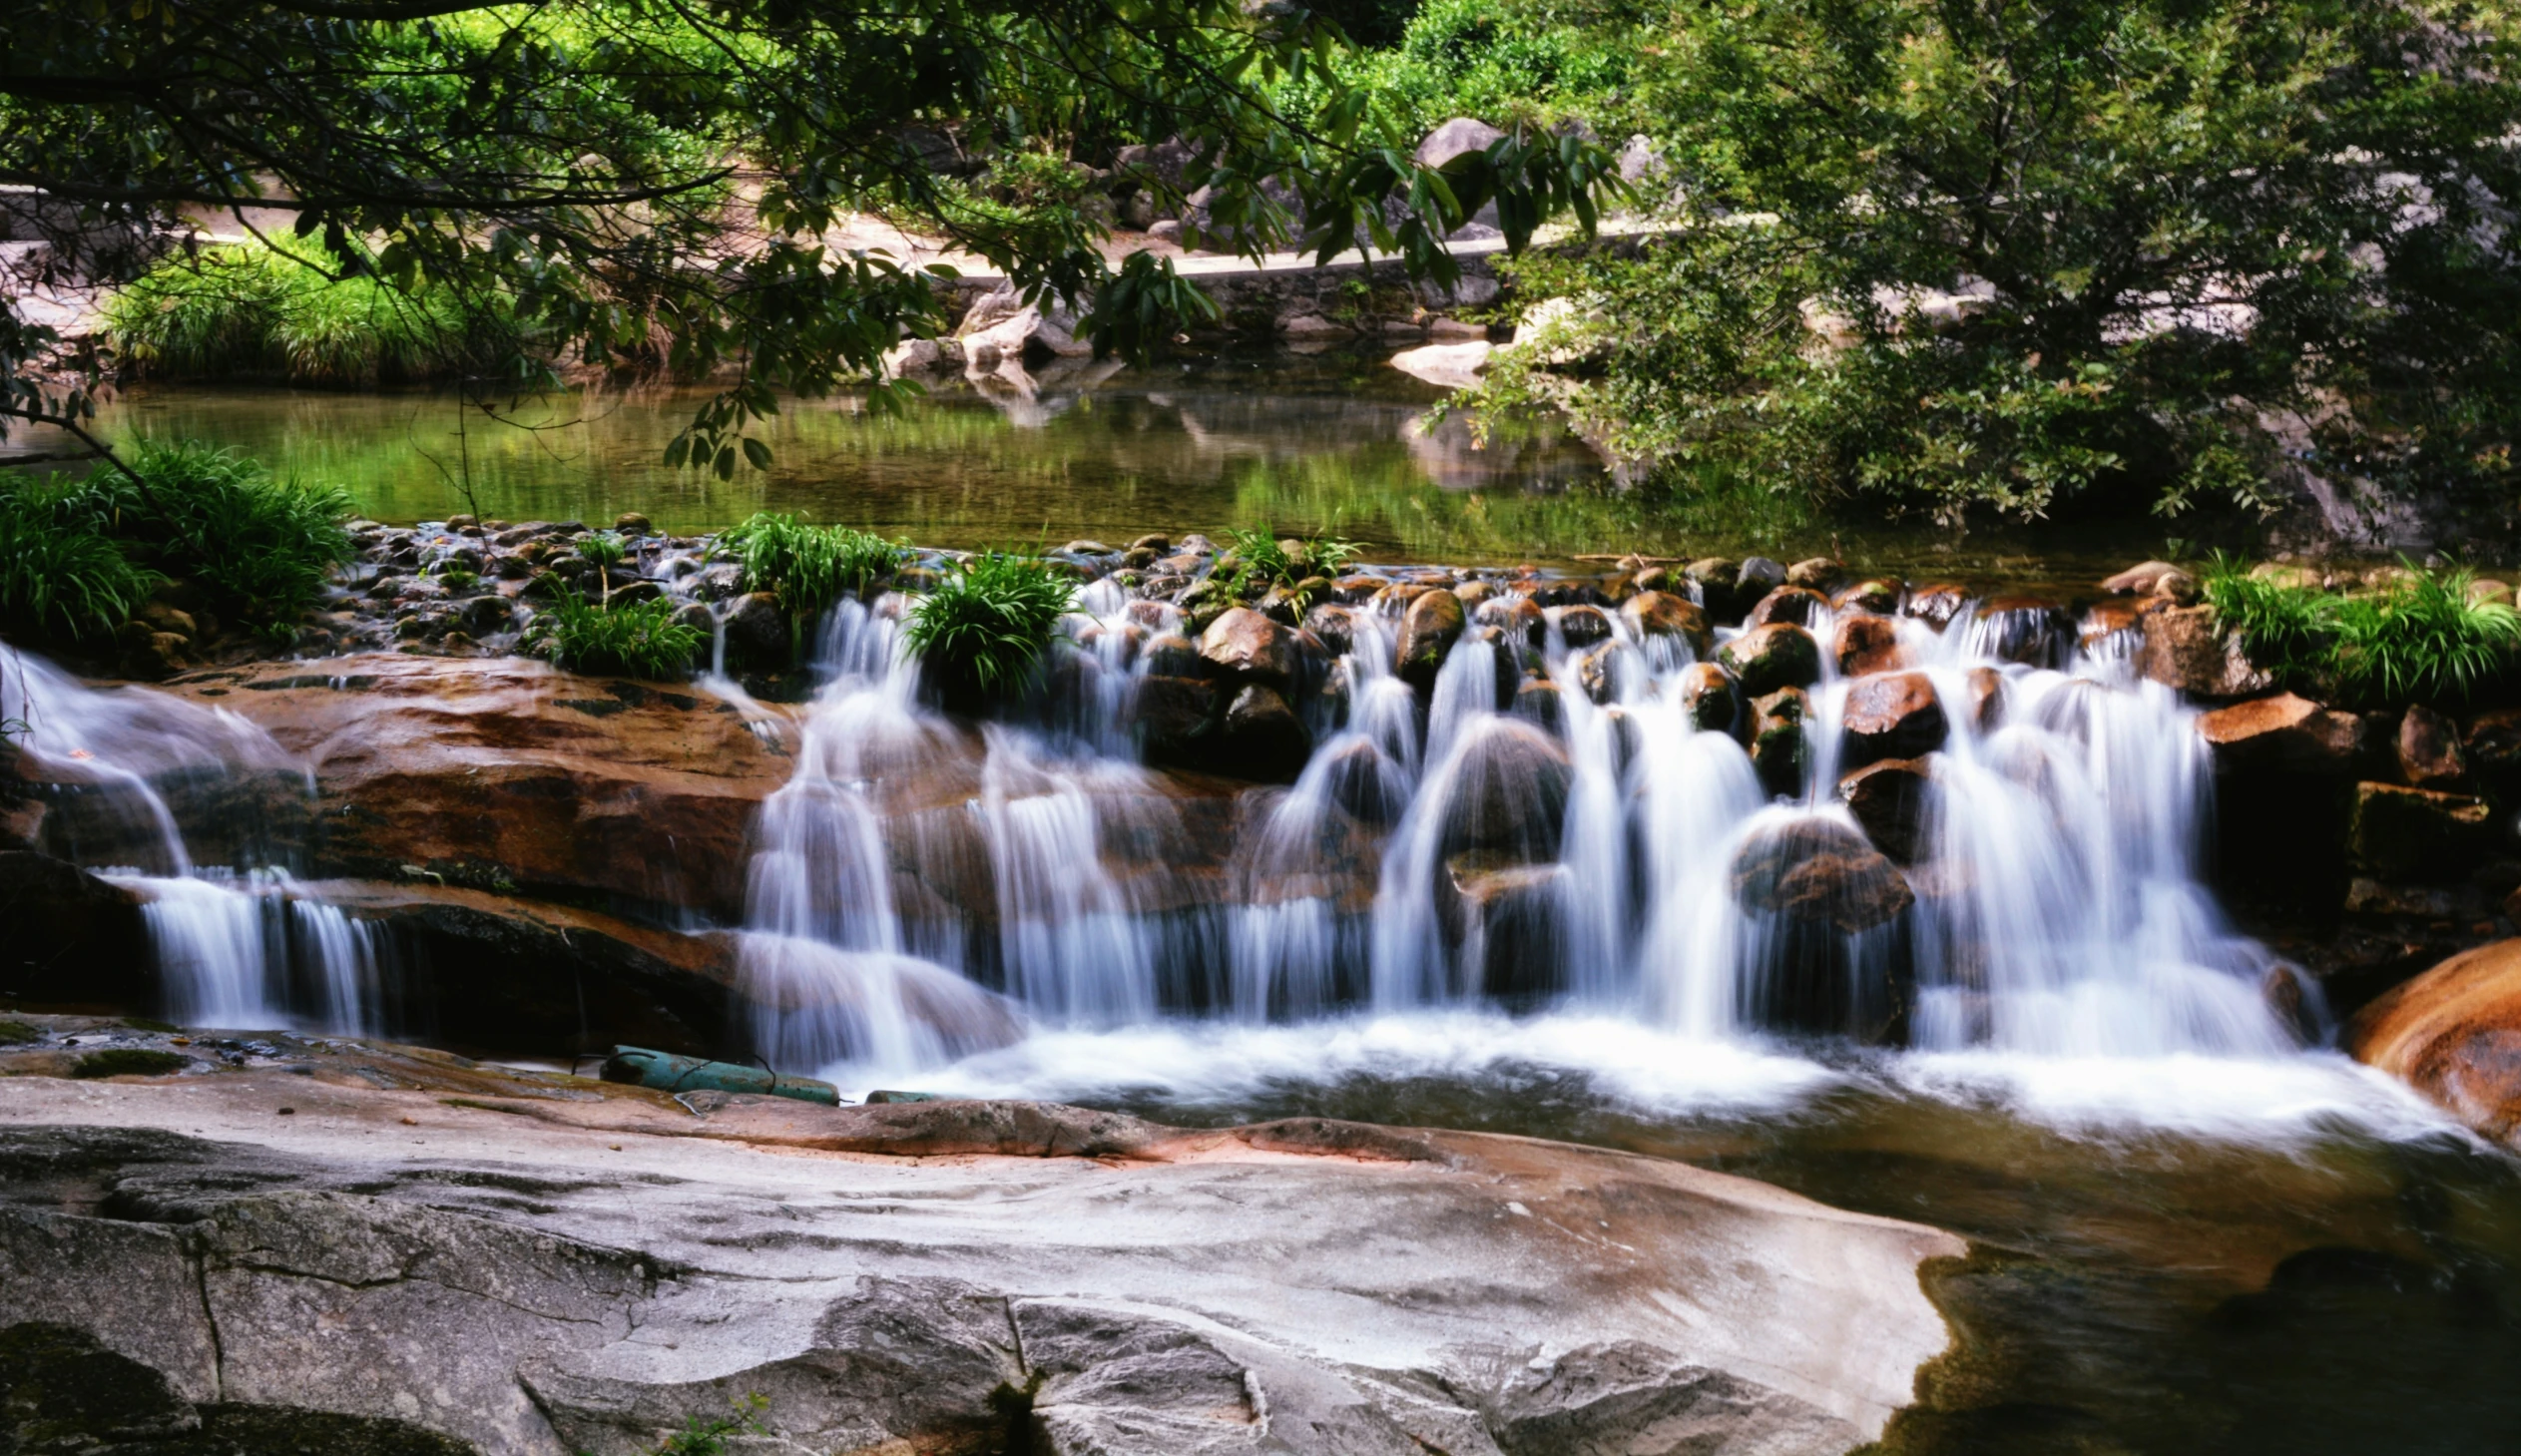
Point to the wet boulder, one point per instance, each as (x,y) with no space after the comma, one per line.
(759,634)
(1507,920)
(1983,699)
(1891,716)
(2450,1033)
(1262,738)
(2429,754)
(1757,577)
(2184,648)
(2285,734)
(1429,626)
(72,938)
(1597,672)
(1819,871)
(1174,717)
(1888,799)
(1662,614)
(1715,575)
(2026,630)
(1797,605)
(1509,792)
(1876,596)
(1582,625)
(1517,618)
(2396,833)
(1244,645)
(1780,749)
(1709,698)
(1334,625)
(1364,782)
(1822,573)
(1937,604)
(1536,701)
(1765,659)
(1865,643)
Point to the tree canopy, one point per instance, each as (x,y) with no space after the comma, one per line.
(613,182)
(1960,256)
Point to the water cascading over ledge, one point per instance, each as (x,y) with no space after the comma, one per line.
(194,814)
(1546,808)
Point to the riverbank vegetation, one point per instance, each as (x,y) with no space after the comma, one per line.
(249,310)
(809,568)
(2413,635)
(79,556)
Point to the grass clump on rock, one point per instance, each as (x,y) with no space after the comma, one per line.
(2418,637)
(982,631)
(1259,555)
(62,573)
(809,568)
(129,1061)
(633,640)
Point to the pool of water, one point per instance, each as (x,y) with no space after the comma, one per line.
(1332,441)
(2175,1256)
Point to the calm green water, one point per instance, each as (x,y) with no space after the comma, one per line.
(1332,441)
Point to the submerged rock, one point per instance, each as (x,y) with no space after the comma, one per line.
(1889,799)
(1820,872)
(1780,749)
(1509,792)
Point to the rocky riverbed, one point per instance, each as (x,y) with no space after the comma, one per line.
(343,1240)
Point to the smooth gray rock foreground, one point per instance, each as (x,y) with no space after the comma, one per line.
(560,1276)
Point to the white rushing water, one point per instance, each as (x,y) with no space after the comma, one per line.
(237,946)
(1439,862)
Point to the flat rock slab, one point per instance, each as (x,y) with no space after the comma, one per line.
(539,1265)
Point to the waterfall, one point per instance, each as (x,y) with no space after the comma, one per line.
(237,946)
(1463,847)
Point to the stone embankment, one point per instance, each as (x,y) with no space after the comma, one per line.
(337,1244)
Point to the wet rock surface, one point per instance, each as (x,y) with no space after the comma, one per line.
(538,1263)
(2454,1034)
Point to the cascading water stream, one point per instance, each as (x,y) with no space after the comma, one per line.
(1453,849)
(237,945)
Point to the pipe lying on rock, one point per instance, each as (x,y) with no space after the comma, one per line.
(666,1072)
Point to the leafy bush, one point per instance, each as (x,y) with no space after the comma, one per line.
(62,574)
(983,629)
(2420,639)
(1502,60)
(264,548)
(809,568)
(634,640)
(245,308)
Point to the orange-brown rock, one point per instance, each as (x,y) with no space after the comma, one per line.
(503,772)
(1787,604)
(2454,1035)
(2184,648)
(2429,755)
(1889,800)
(1866,643)
(1891,716)
(1660,614)
(2285,733)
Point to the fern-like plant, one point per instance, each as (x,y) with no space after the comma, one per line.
(2423,641)
(62,573)
(982,631)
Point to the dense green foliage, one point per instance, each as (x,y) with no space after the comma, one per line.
(62,573)
(1948,258)
(2422,637)
(78,557)
(1545,62)
(632,640)
(574,167)
(983,629)
(249,310)
(809,568)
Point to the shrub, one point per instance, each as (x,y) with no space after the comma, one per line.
(62,574)
(634,640)
(245,308)
(809,568)
(983,629)
(2418,640)
(263,547)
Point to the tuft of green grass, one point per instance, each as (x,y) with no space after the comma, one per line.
(1260,556)
(2419,640)
(809,568)
(15,1033)
(62,573)
(634,640)
(263,546)
(129,1061)
(605,549)
(985,625)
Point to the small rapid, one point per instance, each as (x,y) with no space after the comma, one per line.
(1552,825)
